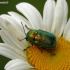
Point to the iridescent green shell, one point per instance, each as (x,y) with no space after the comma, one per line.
(41,38)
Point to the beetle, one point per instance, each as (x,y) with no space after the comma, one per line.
(41,38)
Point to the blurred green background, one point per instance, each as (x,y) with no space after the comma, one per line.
(10,6)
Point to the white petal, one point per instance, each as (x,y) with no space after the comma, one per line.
(48,14)
(58,17)
(66,33)
(64,17)
(9,40)
(11,52)
(13,22)
(20,19)
(13,32)
(18,64)
(31,14)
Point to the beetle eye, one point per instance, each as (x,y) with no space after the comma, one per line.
(33,34)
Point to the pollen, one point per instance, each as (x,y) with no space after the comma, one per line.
(54,59)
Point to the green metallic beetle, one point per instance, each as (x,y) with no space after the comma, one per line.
(41,38)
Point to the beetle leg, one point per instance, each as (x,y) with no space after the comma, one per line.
(26,48)
(52,54)
(21,39)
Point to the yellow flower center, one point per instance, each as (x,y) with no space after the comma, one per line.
(56,59)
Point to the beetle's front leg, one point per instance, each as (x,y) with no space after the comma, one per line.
(28,46)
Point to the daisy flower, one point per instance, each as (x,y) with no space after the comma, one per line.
(54,21)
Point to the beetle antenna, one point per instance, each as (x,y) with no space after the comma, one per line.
(23,28)
(27,27)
